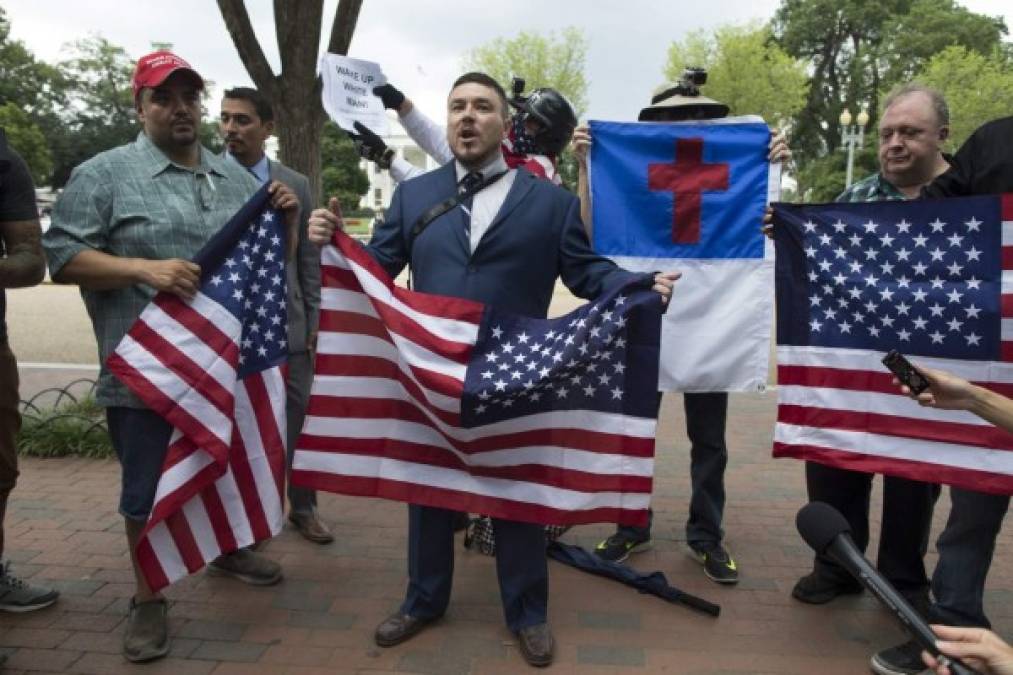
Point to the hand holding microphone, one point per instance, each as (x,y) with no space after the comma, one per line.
(827,532)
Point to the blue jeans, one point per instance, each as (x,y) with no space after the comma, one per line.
(965,550)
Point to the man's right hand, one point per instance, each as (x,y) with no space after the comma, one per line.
(176,276)
(392,98)
(581,143)
(323,222)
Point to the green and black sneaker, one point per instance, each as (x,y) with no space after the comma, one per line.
(620,545)
(717,561)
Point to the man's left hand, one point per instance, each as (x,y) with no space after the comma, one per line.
(778,150)
(663,283)
(284,199)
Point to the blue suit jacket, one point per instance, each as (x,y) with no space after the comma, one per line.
(536,237)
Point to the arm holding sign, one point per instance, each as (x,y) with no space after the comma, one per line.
(426,133)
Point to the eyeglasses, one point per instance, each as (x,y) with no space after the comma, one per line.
(206,190)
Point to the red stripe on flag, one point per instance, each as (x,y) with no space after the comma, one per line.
(435,305)
(150,565)
(337,321)
(429,455)
(1007,206)
(190,488)
(1007,257)
(342,364)
(368,366)
(973,435)
(1006,300)
(182,537)
(1006,350)
(166,407)
(218,518)
(176,361)
(858,380)
(578,439)
(240,461)
(199,325)
(968,479)
(427,495)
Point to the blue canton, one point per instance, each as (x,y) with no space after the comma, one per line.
(521,366)
(250,283)
(920,277)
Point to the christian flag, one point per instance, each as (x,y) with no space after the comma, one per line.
(211,366)
(931,279)
(447,402)
(690,197)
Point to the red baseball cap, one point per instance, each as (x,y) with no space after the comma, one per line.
(153,69)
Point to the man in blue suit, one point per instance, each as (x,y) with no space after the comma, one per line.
(506,245)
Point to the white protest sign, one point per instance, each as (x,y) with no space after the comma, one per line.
(348,92)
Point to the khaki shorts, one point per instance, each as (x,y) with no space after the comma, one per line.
(10,419)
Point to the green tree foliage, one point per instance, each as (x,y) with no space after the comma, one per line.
(27,138)
(341,176)
(747,71)
(97,77)
(929,27)
(553,60)
(977,88)
(858,50)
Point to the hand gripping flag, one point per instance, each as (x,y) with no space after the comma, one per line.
(690,197)
(211,366)
(447,402)
(931,279)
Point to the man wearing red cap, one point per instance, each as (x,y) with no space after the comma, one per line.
(126,226)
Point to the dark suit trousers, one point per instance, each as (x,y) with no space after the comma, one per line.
(904,535)
(521,566)
(300,379)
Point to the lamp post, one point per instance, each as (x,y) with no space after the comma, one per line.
(852,137)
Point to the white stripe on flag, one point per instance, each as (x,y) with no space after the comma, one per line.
(349,344)
(867,359)
(461,481)
(378,387)
(235,509)
(1007,233)
(173,387)
(168,556)
(195,349)
(181,473)
(910,449)
(201,528)
(342,300)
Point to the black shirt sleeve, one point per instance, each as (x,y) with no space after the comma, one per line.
(17,191)
(983,165)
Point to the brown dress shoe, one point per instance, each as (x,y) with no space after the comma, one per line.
(536,644)
(397,628)
(311,527)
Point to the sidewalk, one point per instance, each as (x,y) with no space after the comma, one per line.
(62,528)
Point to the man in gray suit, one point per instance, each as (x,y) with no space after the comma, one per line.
(247,121)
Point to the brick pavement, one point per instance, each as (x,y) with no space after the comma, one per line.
(62,528)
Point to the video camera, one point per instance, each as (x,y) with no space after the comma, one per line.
(691,81)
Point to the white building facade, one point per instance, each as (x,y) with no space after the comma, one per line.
(381,185)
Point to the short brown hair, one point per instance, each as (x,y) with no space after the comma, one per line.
(486,81)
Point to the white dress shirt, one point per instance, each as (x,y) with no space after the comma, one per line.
(487,202)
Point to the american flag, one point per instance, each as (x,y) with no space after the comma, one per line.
(447,402)
(931,279)
(211,366)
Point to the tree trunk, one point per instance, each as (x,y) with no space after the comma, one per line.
(295,93)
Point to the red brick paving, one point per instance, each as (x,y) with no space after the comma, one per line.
(62,528)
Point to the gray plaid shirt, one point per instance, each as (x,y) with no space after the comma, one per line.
(134,202)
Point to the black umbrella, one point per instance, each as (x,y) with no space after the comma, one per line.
(654,583)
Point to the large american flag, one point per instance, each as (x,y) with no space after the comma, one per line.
(931,279)
(211,366)
(447,402)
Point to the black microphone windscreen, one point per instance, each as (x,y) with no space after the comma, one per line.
(819,523)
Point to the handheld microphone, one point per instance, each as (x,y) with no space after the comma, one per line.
(827,532)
